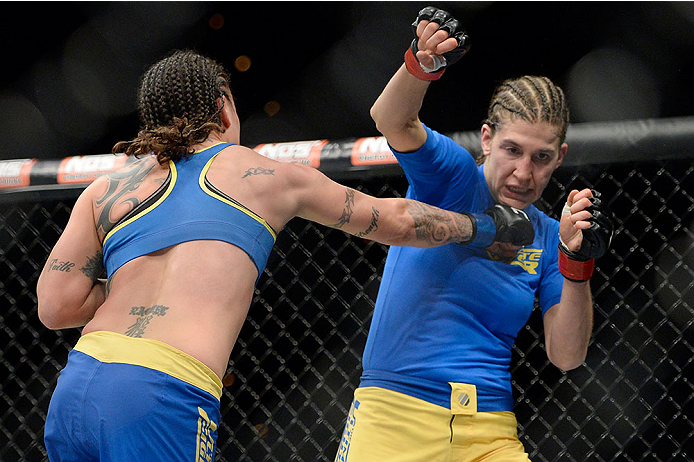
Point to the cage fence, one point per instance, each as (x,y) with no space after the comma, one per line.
(297,360)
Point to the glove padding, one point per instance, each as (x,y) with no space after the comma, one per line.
(449,24)
(594,244)
(596,238)
(507,225)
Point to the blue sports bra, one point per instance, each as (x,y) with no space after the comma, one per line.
(188,208)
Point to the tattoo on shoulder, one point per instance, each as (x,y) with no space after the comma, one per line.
(144,316)
(120,184)
(94,266)
(373,226)
(347,211)
(258,171)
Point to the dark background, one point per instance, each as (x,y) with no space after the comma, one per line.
(70,71)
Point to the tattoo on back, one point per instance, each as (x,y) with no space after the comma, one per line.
(258,171)
(94,266)
(144,316)
(347,211)
(120,184)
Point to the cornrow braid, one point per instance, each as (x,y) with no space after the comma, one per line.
(532,99)
(177,104)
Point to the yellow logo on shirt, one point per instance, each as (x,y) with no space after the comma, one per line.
(528,259)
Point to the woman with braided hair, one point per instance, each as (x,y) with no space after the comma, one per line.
(183,234)
(436,384)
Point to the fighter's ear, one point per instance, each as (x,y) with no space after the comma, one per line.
(562,153)
(487,134)
(226,107)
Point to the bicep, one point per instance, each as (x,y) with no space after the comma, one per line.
(331,204)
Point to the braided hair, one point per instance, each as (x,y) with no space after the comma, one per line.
(177,104)
(532,99)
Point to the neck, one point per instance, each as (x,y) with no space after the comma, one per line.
(215,138)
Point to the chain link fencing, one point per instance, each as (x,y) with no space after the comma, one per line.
(297,360)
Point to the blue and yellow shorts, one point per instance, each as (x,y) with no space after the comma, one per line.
(127,399)
(387,426)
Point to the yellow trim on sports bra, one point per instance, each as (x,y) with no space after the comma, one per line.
(211,193)
(174,175)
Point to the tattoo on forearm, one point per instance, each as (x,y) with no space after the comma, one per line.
(94,266)
(55,265)
(373,226)
(144,316)
(439,226)
(119,185)
(347,211)
(258,171)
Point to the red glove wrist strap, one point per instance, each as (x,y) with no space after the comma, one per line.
(575,270)
(414,68)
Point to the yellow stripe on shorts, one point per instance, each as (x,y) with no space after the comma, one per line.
(112,347)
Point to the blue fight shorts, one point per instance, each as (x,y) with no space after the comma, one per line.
(132,399)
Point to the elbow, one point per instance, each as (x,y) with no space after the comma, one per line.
(567,363)
(52,312)
(376,117)
(405,231)
(567,366)
(407,236)
(49,315)
(46,310)
(397,226)
(386,124)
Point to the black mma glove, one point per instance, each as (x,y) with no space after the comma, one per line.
(501,223)
(578,266)
(449,24)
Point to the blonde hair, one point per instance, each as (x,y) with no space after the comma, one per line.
(532,99)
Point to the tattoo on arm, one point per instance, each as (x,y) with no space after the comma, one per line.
(144,316)
(108,285)
(373,226)
(94,266)
(56,265)
(347,211)
(258,171)
(439,226)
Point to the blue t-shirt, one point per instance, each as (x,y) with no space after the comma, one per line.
(452,313)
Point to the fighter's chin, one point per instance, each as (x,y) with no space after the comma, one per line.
(519,201)
(517,198)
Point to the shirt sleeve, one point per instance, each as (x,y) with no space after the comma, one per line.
(440,172)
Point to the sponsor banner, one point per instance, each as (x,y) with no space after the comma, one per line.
(372,150)
(85,169)
(15,173)
(302,152)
